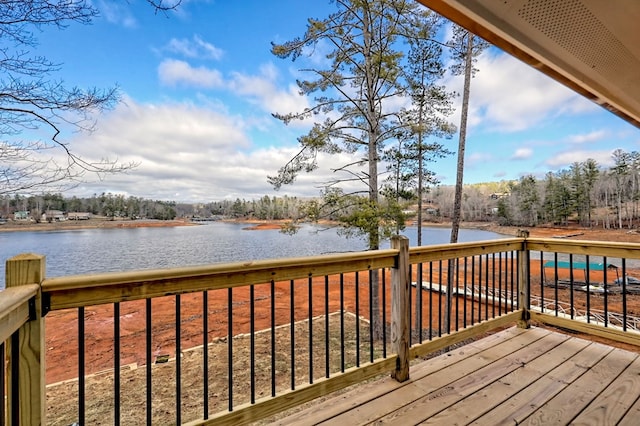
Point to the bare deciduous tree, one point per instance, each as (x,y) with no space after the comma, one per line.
(36,110)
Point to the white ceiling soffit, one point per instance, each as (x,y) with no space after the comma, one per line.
(592,46)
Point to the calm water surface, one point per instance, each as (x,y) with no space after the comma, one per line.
(106,250)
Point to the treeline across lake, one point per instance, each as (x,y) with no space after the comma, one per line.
(585,194)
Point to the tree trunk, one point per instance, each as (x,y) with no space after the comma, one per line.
(457,203)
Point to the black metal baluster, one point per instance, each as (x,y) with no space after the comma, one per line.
(440,299)
(512,260)
(81,368)
(588,282)
(252,343)
(230,345)
(486,283)
(342,360)
(606,294)
(310,282)
(500,284)
(527,301)
(480,289)
(473,289)
(419,312)
(273,338)
(116,363)
(327,361)
(555,272)
(464,290)
(15,381)
(430,300)
(357,319)
(3,384)
(493,285)
(542,281)
(178,364)
(410,304)
(205,354)
(624,294)
(384,314)
(571,279)
(371,318)
(149,360)
(292,316)
(457,294)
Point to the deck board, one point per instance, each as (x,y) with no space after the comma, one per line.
(538,392)
(516,376)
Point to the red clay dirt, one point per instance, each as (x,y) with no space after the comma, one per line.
(61,327)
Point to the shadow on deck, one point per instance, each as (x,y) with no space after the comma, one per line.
(515,376)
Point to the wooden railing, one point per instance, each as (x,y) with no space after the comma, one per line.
(289,330)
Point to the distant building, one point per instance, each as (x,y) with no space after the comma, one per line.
(78,216)
(53,216)
(498,195)
(21,215)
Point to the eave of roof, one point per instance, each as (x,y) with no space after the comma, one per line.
(590,46)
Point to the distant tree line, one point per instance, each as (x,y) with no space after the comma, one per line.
(107,205)
(584,194)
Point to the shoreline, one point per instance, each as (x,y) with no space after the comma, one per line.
(571,232)
(562,232)
(100,223)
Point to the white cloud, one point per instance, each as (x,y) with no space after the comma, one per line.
(564,159)
(522,154)
(116,13)
(194,48)
(477,158)
(185,149)
(173,72)
(508,95)
(594,136)
(261,89)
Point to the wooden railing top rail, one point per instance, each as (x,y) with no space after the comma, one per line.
(86,290)
(584,247)
(15,309)
(459,250)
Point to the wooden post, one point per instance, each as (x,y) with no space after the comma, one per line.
(20,270)
(524,296)
(400,327)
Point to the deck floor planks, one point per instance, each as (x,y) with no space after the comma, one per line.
(435,400)
(564,406)
(349,400)
(503,389)
(586,383)
(521,405)
(416,389)
(612,403)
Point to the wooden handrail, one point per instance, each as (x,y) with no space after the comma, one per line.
(15,309)
(585,247)
(87,290)
(453,251)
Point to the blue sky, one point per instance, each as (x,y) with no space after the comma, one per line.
(199,85)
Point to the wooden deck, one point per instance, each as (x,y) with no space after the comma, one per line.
(516,376)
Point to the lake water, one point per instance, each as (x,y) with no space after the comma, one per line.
(106,250)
